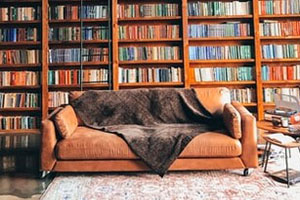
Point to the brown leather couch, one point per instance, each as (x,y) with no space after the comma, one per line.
(89,150)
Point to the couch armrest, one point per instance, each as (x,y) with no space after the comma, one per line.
(48,143)
(249,136)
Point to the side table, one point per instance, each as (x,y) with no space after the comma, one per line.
(286,146)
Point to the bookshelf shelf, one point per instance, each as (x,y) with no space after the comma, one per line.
(223,83)
(28,22)
(20,1)
(249,104)
(20,87)
(150,40)
(269,104)
(62,43)
(220,17)
(77,64)
(63,22)
(284,60)
(76,86)
(279,16)
(19,66)
(282,82)
(152,84)
(149,19)
(218,39)
(19,109)
(138,62)
(10,45)
(280,38)
(20,132)
(222,61)
(25,150)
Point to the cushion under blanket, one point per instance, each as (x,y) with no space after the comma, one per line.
(156,123)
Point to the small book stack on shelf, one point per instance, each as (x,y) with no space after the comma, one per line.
(20,66)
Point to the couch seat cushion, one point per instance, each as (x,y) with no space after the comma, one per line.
(90,144)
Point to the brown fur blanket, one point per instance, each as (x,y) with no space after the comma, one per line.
(157,124)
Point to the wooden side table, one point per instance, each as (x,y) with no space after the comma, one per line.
(286,146)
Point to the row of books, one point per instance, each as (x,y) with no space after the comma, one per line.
(74,33)
(62,12)
(270,7)
(219,8)
(148,31)
(19,122)
(19,100)
(10,78)
(69,77)
(245,95)
(19,163)
(149,53)
(153,74)
(228,29)
(269,93)
(272,73)
(220,52)
(224,74)
(58,98)
(19,56)
(20,13)
(73,55)
(271,51)
(147,10)
(283,28)
(19,141)
(19,34)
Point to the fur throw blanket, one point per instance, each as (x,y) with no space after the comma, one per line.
(157,124)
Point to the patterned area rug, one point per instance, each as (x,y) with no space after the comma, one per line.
(208,185)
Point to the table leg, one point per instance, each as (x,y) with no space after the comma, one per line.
(290,154)
(287,168)
(267,159)
(264,155)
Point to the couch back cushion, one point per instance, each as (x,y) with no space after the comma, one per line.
(66,121)
(232,121)
(214,99)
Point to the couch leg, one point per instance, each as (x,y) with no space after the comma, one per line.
(43,174)
(247,171)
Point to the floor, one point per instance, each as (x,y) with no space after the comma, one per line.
(28,187)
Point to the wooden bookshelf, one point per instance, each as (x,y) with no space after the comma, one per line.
(183,41)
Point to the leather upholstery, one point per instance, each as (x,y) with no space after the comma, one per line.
(232,121)
(89,144)
(66,121)
(48,143)
(249,139)
(213,99)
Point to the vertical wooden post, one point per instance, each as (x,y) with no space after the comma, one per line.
(115,46)
(185,44)
(258,57)
(44,60)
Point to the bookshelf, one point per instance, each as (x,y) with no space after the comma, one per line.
(251,47)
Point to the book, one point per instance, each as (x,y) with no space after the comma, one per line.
(18,78)
(268,93)
(12,13)
(245,95)
(279,7)
(281,138)
(19,34)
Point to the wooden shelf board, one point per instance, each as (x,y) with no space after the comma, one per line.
(268,104)
(150,62)
(23,150)
(219,39)
(280,37)
(220,17)
(153,84)
(100,63)
(20,22)
(18,109)
(86,85)
(22,43)
(281,82)
(17,87)
(77,42)
(21,1)
(149,18)
(283,60)
(249,104)
(279,16)
(19,65)
(66,21)
(20,132)
(221,61)
(223,83)
(150,40)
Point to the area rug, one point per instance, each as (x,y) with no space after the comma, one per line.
(208,185)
